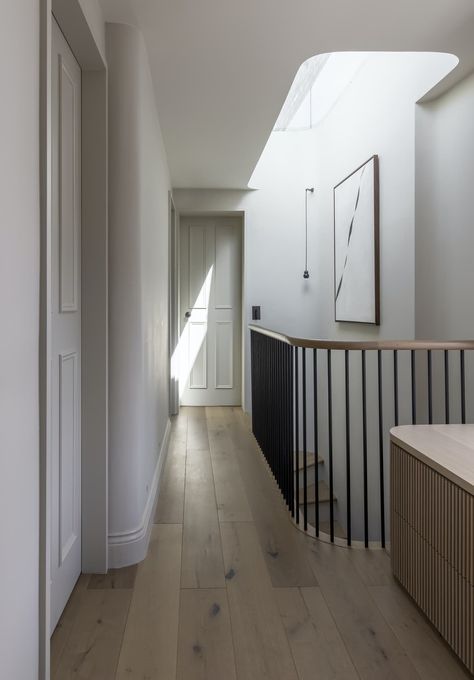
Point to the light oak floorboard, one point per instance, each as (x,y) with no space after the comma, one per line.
(170,505)
(431,657)
(196,412)
(222,413)
(358,615)
(261,648)
(93,647)
(63,630)
(115,579)
(205,648)
(179,429)
(373,647)
(232,503)
(373,566)
(285,557)
(197,437)
(151,635)
(315,642)
(202,564)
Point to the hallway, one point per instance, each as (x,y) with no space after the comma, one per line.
(231,590)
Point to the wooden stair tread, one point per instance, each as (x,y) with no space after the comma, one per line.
(339,532)
(324,526)
(309,460)
(323,493)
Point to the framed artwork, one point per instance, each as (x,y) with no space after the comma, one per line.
(356,246)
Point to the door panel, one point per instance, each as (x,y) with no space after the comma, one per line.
(66,324)
(197,268)
(69,92)
(69,456)
(227,275)
(197,357)
(224,355)
(211,311)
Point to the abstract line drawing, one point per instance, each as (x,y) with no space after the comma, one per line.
(356,245)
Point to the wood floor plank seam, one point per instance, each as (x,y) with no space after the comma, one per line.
(182,548)
(206,650)
(56,661)
(346,647)
(122,639)
(203,563)
(152,626)
(326,660)
(433,665)
(258,640)
(231,627)
(233,632)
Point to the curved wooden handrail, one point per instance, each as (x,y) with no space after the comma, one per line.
(366,344)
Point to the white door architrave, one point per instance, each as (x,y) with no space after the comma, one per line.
(210,311)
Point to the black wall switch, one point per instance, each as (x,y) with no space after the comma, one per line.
(256,313)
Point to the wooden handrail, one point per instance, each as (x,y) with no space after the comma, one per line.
(366,344)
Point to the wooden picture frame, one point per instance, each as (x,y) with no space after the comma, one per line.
(357,245)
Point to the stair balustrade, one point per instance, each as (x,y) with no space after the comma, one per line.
(322,411)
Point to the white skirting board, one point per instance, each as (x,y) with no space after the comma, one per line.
(131,547)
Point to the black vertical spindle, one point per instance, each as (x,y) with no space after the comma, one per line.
(364,448)
(463,387)
(330,445)
(271,390)
(381,449)
(395,384)
(430,387)
(291,459)
(276,423)
(348,448)
(413,387)
(446,385)
(278,395)
(316,438)
(297,441)
(286,420)
(305,453)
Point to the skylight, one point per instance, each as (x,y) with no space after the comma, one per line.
(318,85)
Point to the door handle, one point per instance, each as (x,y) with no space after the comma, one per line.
(187,315)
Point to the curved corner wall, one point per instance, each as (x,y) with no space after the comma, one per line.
(138,296)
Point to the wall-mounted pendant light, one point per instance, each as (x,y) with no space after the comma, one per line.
(306,272)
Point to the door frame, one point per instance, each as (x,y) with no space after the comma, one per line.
(173,301)
(218,213)
(94,340)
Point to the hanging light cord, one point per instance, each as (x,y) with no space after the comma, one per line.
(306,272)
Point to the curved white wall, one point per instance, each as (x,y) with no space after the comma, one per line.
(138,285)
(19,305)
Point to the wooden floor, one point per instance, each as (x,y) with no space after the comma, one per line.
(231,590)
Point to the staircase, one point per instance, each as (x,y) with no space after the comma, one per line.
(323,496)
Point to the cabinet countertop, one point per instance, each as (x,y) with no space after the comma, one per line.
(448,449)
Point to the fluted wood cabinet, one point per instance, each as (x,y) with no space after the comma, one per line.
(432,526)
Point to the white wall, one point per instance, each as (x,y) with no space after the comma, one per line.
(444,215)
(376,114)
(19,306)
(138,284)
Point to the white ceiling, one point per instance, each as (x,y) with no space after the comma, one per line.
(222,68)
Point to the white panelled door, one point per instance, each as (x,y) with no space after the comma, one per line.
(66,324)
(211,311)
